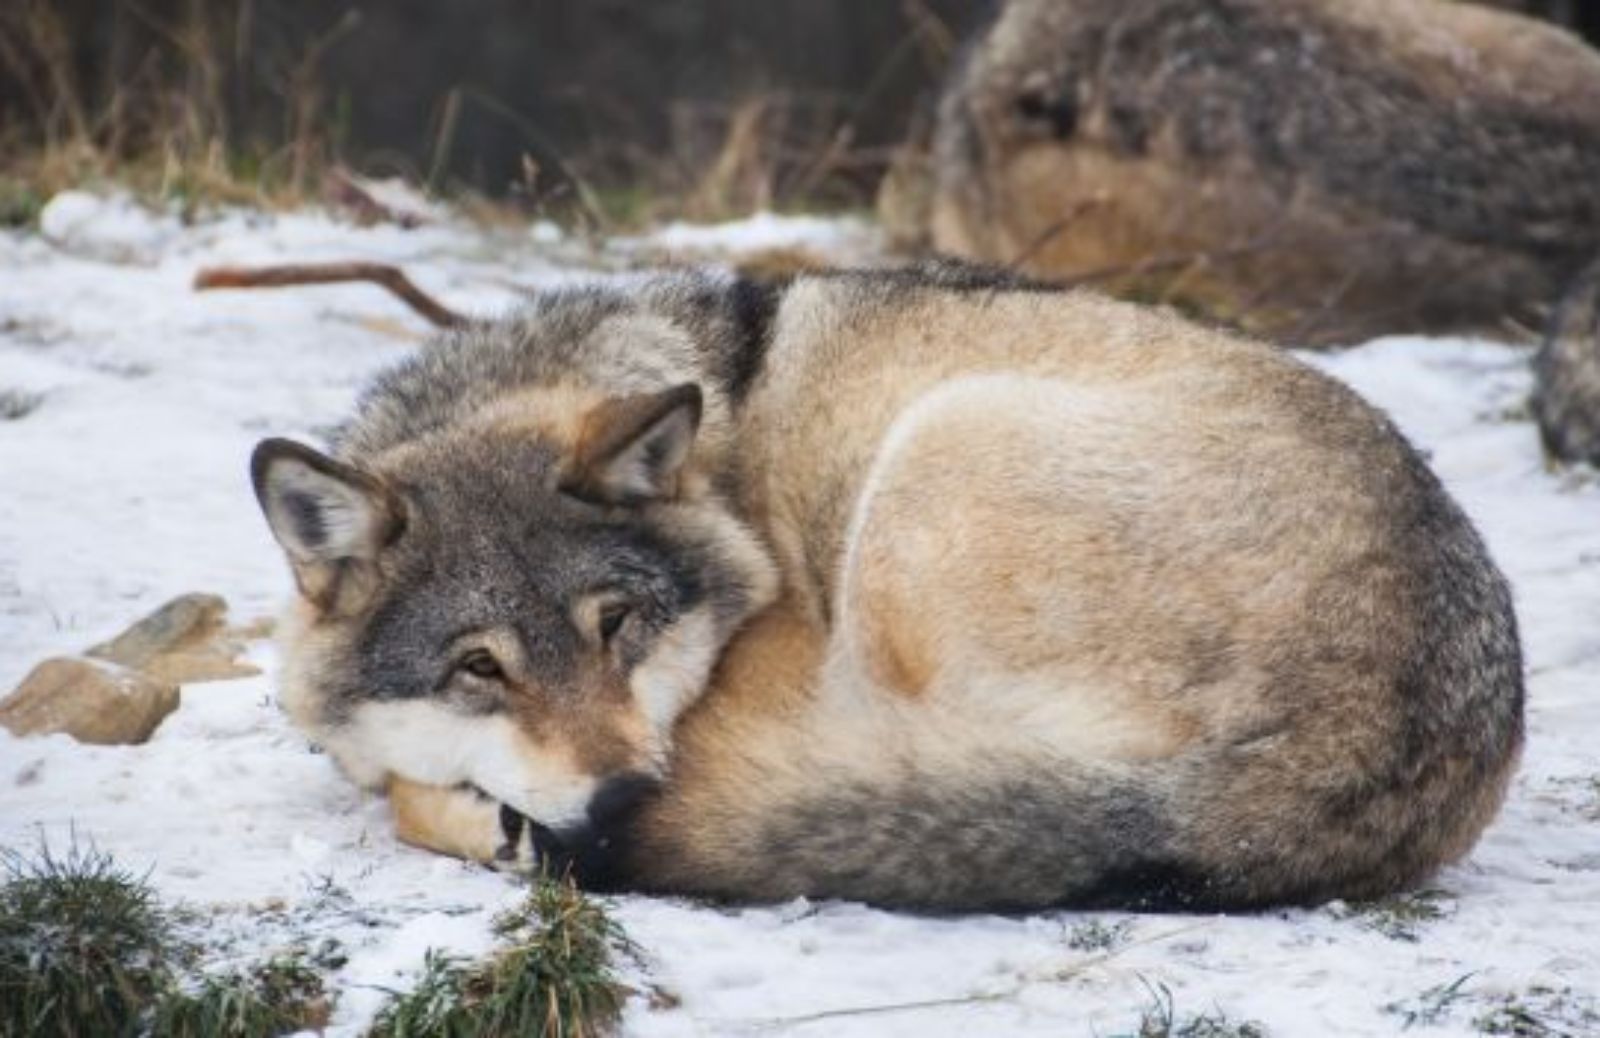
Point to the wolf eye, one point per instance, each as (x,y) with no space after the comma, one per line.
(481,664)
(611,619)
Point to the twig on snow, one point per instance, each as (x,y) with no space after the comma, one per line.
(391,278)
(1056,977)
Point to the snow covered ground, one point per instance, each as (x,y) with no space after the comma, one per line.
(125,485)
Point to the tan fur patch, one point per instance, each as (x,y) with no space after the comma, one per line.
(449,820)
(556,413)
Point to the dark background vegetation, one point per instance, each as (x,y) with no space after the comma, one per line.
(629,108)
(745,102)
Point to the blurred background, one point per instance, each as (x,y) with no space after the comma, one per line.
(626,111)
(612,117)
(709,107)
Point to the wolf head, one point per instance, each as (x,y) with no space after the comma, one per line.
(525,599)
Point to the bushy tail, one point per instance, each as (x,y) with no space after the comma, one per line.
(931,819)
(912,815)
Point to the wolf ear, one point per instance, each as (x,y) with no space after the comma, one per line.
(632,449)
(331,519)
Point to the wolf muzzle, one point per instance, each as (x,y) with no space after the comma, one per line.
(591,853)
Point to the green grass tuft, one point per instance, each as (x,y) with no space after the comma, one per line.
(1092,935)
(281,996)
(20,202)
(1160,1019)
(1541,1012)
(436,1006)
(1432,1005)
(17,404)
(84,946)
(1402,916)
(553,978)
(1537,1012)
(87,951)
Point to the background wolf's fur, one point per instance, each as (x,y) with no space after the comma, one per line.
(1080,602)
(1321,171)
(1566,393)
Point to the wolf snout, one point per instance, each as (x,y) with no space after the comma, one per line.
(616,799)
(591,851)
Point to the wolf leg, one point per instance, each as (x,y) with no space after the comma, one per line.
(462,822)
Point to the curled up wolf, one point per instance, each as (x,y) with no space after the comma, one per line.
(927,588)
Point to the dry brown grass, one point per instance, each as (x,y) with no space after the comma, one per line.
(162,127)
(164,120)
(767,149)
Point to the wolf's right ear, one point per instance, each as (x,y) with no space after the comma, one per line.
(331,519)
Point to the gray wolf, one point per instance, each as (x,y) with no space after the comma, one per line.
(928,588)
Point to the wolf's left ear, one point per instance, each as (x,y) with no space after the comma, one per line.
(632,449)
(331,519)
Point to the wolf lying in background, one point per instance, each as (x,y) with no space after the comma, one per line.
(925,588)
(1317,171)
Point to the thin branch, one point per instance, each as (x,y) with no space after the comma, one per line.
(875,1010)
(1054,231)
(1161,264)
(382,274)
(1060,976)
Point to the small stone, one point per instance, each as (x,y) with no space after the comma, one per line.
(92,701)
(186,640)
(175,626)
(111,229)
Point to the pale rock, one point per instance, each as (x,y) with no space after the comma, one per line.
(185,641)
(112,229)
(90,700)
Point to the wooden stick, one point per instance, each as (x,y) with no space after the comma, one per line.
(332,273)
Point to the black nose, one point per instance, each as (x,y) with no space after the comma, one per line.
(617,798)
(594,851)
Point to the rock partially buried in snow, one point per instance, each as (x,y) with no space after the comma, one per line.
(390,200)
(115,229)
(90,700)
(187,640)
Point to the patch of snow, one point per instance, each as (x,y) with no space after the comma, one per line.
(127,486)
(765,231)
(546,232)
